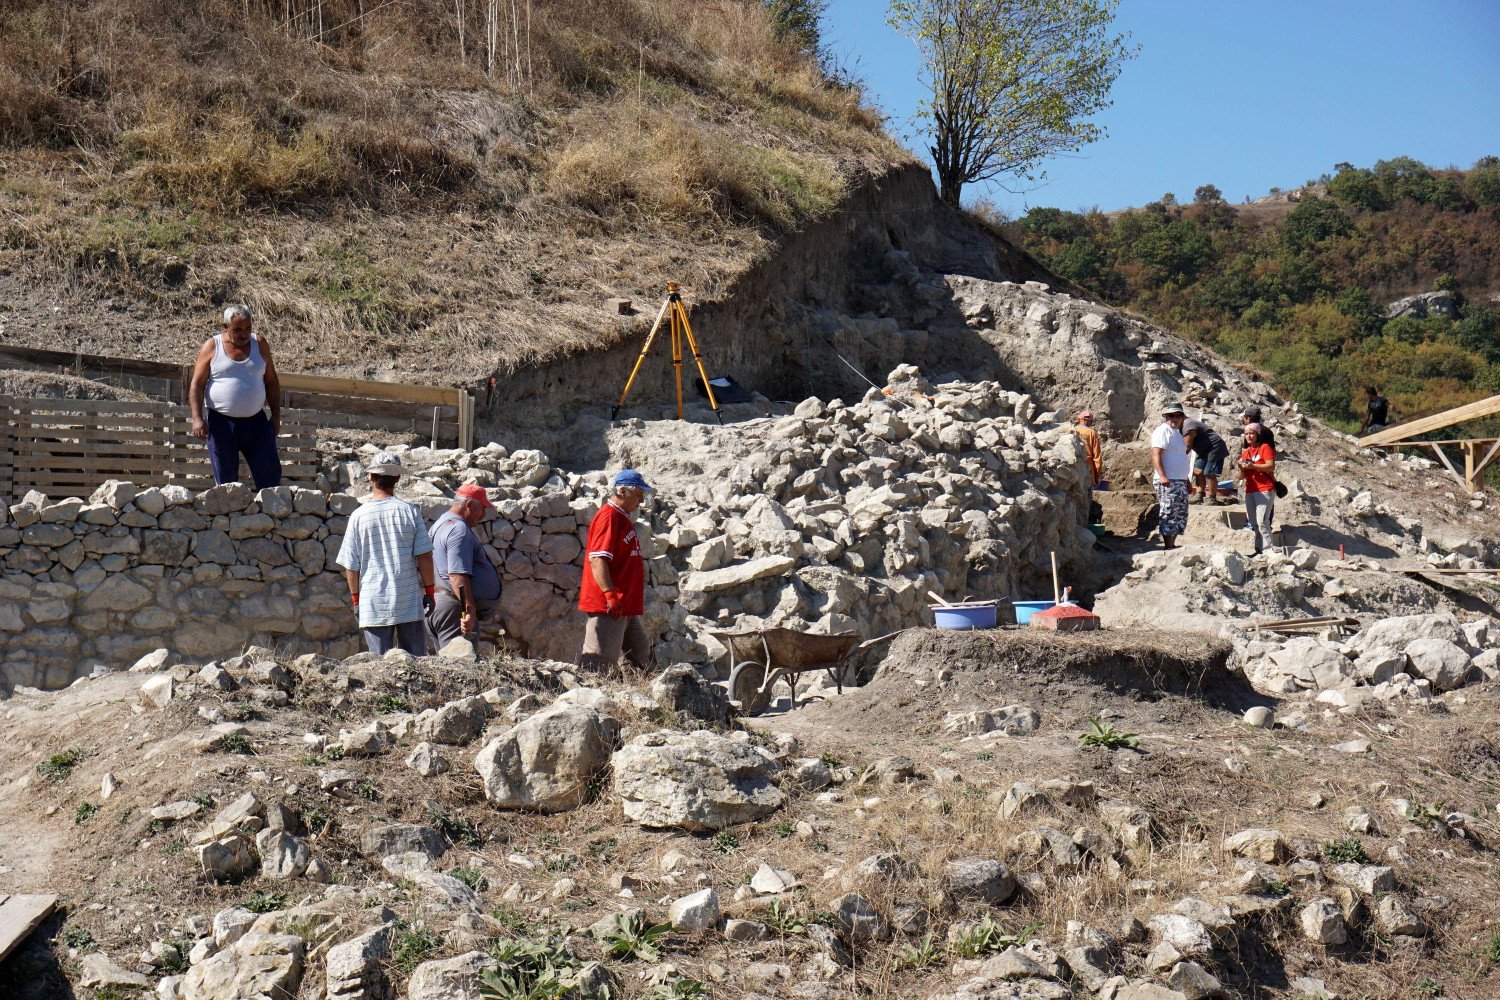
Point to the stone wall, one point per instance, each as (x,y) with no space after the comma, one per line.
(837,518)
(104,581)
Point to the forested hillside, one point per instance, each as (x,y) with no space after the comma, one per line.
(1300,288)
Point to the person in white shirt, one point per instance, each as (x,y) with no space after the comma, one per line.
(1171,471)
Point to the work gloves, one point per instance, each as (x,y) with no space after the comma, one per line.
(614,603)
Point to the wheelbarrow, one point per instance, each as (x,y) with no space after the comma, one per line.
(761,657)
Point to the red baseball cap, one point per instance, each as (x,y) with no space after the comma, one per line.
(473,491)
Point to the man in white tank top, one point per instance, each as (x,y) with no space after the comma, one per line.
(234,381)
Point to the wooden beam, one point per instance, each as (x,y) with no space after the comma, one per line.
(19,916)
(401,392)
(1443,457)
(1437,421)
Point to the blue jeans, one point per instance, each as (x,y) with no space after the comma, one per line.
(231,437)
(410,636)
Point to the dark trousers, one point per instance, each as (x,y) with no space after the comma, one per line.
(410,636)
(231,437)
(445,622)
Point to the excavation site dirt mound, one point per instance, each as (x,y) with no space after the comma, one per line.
(929,678)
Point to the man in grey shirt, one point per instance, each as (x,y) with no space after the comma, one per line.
(468,586)
(387,559)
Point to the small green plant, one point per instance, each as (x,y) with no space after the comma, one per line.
(602,849)
(60,765)
(1104,734)
(265,902)
(413,943)
(681,988)
(84,813)
(986,756)
(510,919)
(77,938)
(631,935)
(471,877)
(829,760)
(389,704)
(920,956)
(1347,849)
(1426,815)
(174,846)
(987,936)
(559,863)
(315,819)
(174,958)
(1276,887)
(725,843)
(1428,987)
(784,921)
(309,760)
(455,828)
(1492,952)
(784,828)
(333,751)
(527,970)
(237,743)
(367,790)
(203,800)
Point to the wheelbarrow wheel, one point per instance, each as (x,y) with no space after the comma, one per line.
(744,687)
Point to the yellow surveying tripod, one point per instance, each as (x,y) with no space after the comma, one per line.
(676,314)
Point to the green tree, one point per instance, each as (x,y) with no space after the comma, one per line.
(1358,188)
(799,22)
(1207,194)
(1082,261)
(1011,82)
(1055,224)
(1404,177)
(1479,331)
(1313,221)
(1483,184)
(1360,306)
(1177,250)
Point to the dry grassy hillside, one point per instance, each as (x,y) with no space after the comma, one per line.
(467,179)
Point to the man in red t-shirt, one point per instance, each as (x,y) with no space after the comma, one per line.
(613,593)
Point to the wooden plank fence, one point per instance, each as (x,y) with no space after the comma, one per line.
(67,447)
(431,412)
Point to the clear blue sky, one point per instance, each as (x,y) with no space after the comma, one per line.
(1246,95)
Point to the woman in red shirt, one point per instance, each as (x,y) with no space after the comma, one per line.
(1258,469)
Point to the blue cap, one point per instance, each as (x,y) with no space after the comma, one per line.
(629,477)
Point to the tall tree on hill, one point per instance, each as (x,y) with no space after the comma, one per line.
(799,21)
(1012,81)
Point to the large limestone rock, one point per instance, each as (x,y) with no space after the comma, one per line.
(681,688)
(730,577)
(455,723)
(255,966)
(449,978)
(547,761)
(697,781)
(356,967)
(1442,662)
(1401,631)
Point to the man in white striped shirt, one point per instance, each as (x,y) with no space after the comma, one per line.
(387,559)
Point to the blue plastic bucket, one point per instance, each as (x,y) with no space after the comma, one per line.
(962,619)
(1025,609)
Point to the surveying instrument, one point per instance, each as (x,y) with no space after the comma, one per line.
(682,331)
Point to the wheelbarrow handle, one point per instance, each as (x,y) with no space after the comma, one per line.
(880,638)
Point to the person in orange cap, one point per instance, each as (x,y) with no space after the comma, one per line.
(1093,450)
